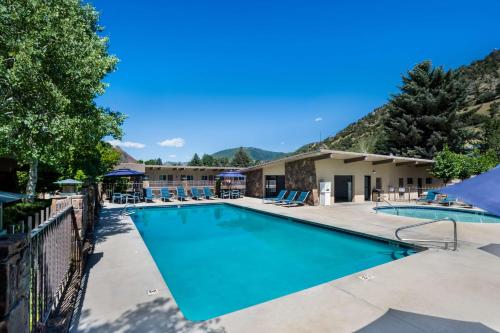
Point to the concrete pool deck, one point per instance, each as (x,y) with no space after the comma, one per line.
(432,291)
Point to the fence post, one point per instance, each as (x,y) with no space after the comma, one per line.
(14,286)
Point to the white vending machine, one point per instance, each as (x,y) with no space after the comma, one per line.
(325,193)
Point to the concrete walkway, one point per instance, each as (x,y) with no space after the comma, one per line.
(432,291)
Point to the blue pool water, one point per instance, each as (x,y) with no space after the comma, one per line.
(220,258)
(434,213)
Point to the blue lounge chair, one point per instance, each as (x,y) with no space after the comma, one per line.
(448,201)
(195,194)
(289,198)
(148,195)
(278,198)
(208,193)
(181,194)
(429,198)
(165,194)
(299,202)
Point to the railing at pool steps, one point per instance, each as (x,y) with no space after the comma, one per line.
(391,205)
(445,242)
(125,212)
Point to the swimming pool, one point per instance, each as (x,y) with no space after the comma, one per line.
(219,258)
(434,213)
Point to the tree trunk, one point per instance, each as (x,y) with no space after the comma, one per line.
(32,179)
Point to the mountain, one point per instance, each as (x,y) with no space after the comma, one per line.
(256,154)
(482,80)
(124,156)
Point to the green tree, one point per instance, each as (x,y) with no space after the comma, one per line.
(221,162)
(52,63)
(491,139)
(423,117)
(195,161)
(446,165)
(207,160)
(241,159)
(92,162)
(154,161)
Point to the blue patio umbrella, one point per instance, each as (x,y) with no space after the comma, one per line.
(124,173)
(68,182)
(233,174)
(482,191)
(8,197)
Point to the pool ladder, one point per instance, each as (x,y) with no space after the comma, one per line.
(445,242)
(391,205)
(124,211)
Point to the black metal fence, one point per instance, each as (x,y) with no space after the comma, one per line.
(55,254)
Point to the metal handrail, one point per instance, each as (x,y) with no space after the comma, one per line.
(383,199)
(124,211)
(446,242)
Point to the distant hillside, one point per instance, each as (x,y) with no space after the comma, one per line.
(124,156)
(482,80)
(255,153)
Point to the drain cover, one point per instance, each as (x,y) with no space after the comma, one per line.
(366,276)
(152,292)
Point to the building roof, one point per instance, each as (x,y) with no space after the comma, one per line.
(347,157)
(187,167)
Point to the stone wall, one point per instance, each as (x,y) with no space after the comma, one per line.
(254,186)
(301,175)
(14,284)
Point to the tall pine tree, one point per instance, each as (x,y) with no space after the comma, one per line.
(195,161)
(241,159)
(423,117)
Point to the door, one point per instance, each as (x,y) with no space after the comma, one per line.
(368,187)
(342,188)
(273,185)
(419,186)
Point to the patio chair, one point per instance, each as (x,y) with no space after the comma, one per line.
(165,194)
(134,198)
(117,196)
(448,201)
(289,198)
(235,194)
(181,193)
(208,193)
(279,197)
(225,194)
(195,194)
(430,197)
(299,202)
(148,195)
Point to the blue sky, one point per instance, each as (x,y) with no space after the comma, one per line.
(201,76)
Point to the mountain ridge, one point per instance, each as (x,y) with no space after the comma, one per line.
(256,154)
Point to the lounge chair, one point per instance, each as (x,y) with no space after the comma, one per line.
(235,194)
(117,196)
(289,198)
(165,194)
(430,197)
(278,198)
(448,201)
(195,194)
(225,194)
(208,193)
(299,202)
(181,194)
(148,195)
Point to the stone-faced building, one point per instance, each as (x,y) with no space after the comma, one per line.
(353,176)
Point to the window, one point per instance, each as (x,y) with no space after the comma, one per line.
(186,177)
(378,183)
(409,181)
(170,178)
(428,181)
(163,177)
(211,177)
(204,177)
(401,182)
